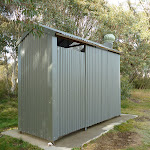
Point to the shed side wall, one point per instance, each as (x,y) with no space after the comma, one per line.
(102,85)
(113,84)
(35,86)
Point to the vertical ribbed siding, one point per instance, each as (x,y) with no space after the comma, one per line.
(71,90)
(93,85)
(102,85)
(34,88)
(113,84)
(19,89)
(55,100)
(119,85)
(105,102)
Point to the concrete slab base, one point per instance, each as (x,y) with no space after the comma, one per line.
(76,139)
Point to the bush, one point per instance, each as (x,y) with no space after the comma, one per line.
(141,83)
(4,92)
(3,89)
(125,88)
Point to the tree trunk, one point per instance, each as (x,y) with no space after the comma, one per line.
(13,77)
(7,73)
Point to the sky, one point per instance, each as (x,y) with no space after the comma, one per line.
(116,2)
(124,3)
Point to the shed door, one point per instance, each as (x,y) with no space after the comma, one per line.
(93,85)
(71,89)
(102,85)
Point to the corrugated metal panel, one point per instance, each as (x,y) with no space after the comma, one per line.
(119,85)
(55,100)
(35,87)
(102,85)
(71,90)
(19,89)
(105,102)
(93,86)
(113,85)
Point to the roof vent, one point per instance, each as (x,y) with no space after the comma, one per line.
(108,40)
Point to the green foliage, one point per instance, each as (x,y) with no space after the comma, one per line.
(76,149)
(8,113)
(141,83)
(125,104)
(124,127)
(88,19)
(125,88)
(8,143)
(3,89)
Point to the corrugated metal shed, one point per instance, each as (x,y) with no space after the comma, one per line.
(66,83)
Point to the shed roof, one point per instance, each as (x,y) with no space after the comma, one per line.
(58,33)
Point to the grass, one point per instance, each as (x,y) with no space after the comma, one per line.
(124,127)
(8,143)
(8,113)
(138,128)
(139,104)
(8,120)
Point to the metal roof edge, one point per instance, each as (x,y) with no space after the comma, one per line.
(55,32)
(88,42)
(23,36)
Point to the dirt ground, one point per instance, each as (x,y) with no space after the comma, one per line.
(115,141)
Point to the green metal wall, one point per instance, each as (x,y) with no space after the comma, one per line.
(102,85)
(35,86)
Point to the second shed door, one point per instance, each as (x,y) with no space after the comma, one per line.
(71,90)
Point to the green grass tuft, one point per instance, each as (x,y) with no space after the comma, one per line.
(124,127)
(76,149)
(130,148)
(8,113)
(8,143)
(125,104)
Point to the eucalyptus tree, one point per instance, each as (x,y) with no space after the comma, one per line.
(131,28)
(18,16)
(15,18)
(87,19)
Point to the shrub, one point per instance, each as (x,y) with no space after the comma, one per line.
(125,88)
(141,83)
(3,89)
